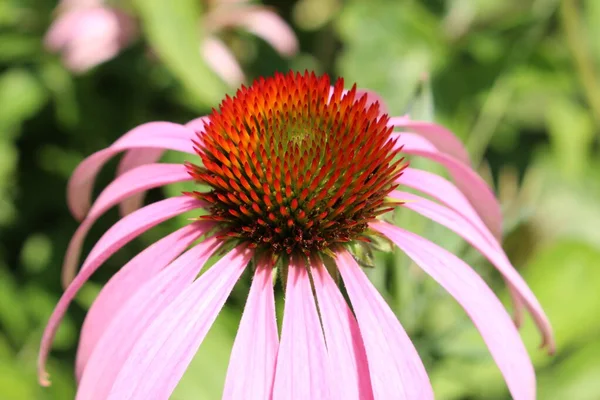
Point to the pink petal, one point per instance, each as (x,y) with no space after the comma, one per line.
(396,369)
(135,316)
(116,237)
(136,157)
(125,283)
(444,140)
(134,181)
(252,363)
(494,253)
(222,61)
(473,187)
(350,377)
(480,303)
(62,29)
(163,352)
(444,191)
(270,27)
(91,35)
(132,159)
(303,368)
(161,135)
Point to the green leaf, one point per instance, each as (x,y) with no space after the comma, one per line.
(174,32)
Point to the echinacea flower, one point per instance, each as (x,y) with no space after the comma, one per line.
(88,33)
(298,174)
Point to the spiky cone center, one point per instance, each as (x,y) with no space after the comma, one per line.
(295,167)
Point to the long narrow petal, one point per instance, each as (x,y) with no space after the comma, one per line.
(459,224)
(350,377)
(480,303)
(125,283)
(135,316)
(136,157)
(222,61)
(444,140)
(134,181)
(252,363)
(130,160)
(303,368)
(163,352)
(116,237)
(470,184)
(270,27)
(445,192)
(396,369)
(161,135)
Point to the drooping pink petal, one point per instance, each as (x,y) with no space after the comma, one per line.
(161,135)
(134,181)
(480,303)
(444,140)
(116,237)
(125,283)
(459,224)
(136,157)
(396,369)
(222,61)
(163,352)
(270,27)
(135,315)
(444,191)
(303,368)
(130,160)
(470,184)
(350,373)
(252,363)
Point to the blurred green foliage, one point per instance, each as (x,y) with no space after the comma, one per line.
(516,79)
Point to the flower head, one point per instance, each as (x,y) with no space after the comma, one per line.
(294,168)
(295,173)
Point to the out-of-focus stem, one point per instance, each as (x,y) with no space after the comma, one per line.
(583,62)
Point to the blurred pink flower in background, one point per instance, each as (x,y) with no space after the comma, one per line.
(88,33)
(300,174)
(260,21)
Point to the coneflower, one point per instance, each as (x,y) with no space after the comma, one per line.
(299,176)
